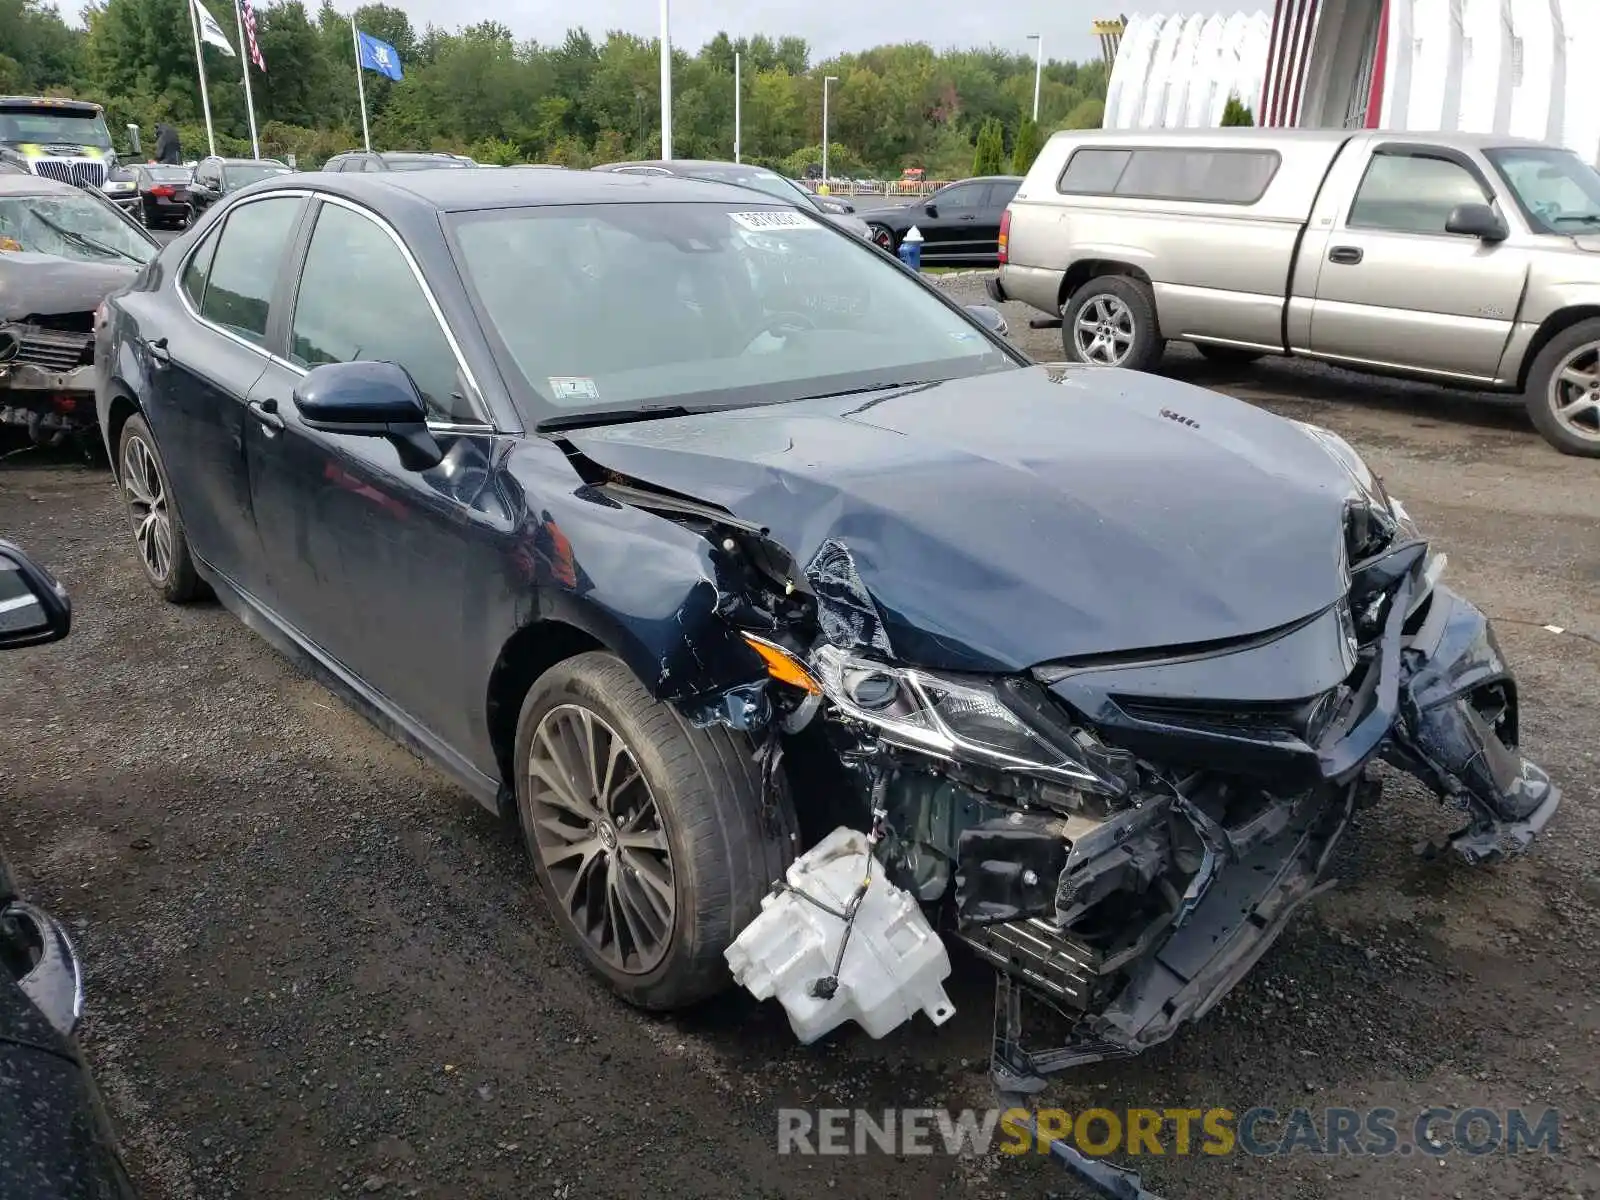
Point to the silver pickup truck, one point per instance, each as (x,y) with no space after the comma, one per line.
(1463,259)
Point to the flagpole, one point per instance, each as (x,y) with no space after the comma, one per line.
(737,91)
(249,101)
(361,88)
(200,61)
(666,82)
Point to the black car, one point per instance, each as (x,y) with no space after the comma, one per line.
(63,249)
(56,1142)
(959,223)
(215,178)
(164,200)
(394,160)
(1095,661)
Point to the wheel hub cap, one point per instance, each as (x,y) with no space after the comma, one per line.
(1575,393)
(1104,330)
(147,508)
(600,836)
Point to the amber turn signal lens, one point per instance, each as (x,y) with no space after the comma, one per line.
(783,666)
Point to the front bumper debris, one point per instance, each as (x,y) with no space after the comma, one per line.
(46,381)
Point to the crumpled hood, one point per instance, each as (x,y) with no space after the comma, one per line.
(46,285)
(1044,513)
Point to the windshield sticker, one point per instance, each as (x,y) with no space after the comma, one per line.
(760,222)
(573,387)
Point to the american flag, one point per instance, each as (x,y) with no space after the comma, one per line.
(250,35)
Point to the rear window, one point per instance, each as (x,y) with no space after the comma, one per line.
(1199,176)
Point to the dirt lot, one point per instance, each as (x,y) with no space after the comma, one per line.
(315,968)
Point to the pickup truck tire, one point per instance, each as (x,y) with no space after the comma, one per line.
(1563,395)
(1111,322)
(1226,356)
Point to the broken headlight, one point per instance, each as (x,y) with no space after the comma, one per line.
(965,720)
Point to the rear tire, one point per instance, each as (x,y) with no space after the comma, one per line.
(1563,395)
(160,542)
(651,880)
(1226,356)
(1111,322)
(883,237)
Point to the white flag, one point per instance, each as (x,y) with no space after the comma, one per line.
(210,31)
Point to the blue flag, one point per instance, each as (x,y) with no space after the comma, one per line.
(378,56)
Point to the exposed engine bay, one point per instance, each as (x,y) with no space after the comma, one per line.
(47,375)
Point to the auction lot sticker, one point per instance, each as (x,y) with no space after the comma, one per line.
(761,222)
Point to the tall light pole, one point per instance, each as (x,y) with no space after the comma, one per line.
(1038,70)
(737,97)
(826,80)
(666,82)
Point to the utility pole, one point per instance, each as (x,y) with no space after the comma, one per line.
(1038,70)
(666,82)
(737,97)
(826,80)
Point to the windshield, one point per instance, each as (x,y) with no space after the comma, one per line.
(25,124)
(769,182)
(422,164)
(239,177)
(1557,190)
(78,227)
(600,307)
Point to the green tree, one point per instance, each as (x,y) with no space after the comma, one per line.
(1235,112)
(1027,147)
(990,158)
(1086,114)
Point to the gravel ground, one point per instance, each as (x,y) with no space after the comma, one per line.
(316,968)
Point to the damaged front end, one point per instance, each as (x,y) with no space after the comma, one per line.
(47,375)
(1121,836)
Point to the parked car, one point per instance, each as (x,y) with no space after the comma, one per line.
(759,178)
(56,1141)
(214,178)
(394,160)
(959,223)
(122,188)
(164,200)
(62,249)
(1093,662)
(1461,259)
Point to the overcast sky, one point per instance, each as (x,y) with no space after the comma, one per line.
(828,25)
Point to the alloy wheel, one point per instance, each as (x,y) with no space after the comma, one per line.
(1575,393)
(882,238)
(1103,331)
(147,508)
(600,837)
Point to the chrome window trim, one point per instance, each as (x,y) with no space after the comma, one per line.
(475,399)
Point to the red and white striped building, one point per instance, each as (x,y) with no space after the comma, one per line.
(1490,66)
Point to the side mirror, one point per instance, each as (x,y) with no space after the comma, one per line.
(989,318)
(370,399)
(1476,220)
(931,209)
(34,608)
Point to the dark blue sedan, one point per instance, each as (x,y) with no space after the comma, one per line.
(685,528)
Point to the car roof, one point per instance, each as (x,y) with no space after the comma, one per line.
(35,185)
(246,162)
(688,164)
(1268,136)
(988,179)
(450,189)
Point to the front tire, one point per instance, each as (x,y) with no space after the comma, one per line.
(1563,395)
(883,237)
(159,539)
(1111,322)
(646,833)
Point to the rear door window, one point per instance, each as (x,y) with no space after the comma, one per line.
(244,268)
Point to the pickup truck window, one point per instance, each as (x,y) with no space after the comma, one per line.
(1199,176)
(1557,191)
(1413,193)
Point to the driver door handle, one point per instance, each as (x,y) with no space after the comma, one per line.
(1347,255)
(266,411)
(158,351)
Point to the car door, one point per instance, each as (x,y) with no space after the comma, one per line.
(206,363)
(382,568)
(948,220)
(986,229)
(207,188)
(1395,289)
